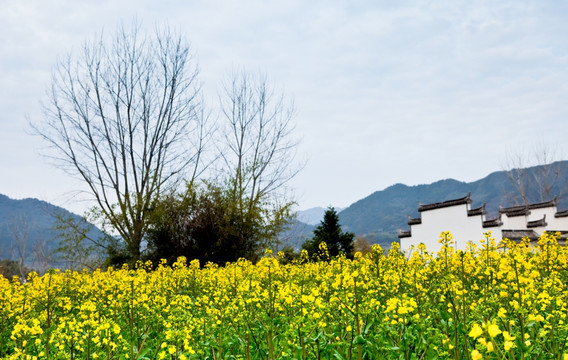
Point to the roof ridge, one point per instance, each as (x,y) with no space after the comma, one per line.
(460,201)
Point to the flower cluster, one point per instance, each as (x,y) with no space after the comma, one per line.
(487,302)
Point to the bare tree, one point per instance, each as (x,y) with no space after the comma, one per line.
(258,135)
(80,246)
(537,174)
(548,173)
(515,169)
(19,229)
(362,245)
(124,117)
(260,150)
(41,255)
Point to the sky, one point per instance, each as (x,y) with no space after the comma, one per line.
(385,91)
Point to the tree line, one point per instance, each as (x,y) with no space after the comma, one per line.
(169,174)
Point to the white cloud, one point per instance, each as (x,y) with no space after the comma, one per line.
(405,91)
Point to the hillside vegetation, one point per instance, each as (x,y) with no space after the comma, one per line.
(377,217)
(29,226)
(381,214)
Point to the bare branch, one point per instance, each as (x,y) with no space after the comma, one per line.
(536,174)
(124,117)
(260,148)
(259,157)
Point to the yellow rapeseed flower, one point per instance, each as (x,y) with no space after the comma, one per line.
(508,337)
(476,355)
(493,330)
(476,331)
(508,345)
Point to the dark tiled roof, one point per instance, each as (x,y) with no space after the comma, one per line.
(479,211)
(515,211)
(460,201)
(493,222)
(404,234)
(521,210)
(544,204)
(561,214)
(518,235)
(512,208)
(537,223)
(518,213)
(414,221)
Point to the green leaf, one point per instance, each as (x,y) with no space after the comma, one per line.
(338,356)
(359,340)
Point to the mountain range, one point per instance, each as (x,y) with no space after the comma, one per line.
(376,217)
(28,228)
(379,216)
(314,215)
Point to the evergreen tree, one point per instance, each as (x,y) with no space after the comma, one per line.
(329,231)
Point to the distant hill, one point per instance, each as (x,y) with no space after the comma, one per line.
(310,216)
(295,234)
(302,227)
(30,222)
(379,216)
(314,215)
(386,211)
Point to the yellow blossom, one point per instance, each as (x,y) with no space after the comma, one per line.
(476,355)
(508,345)
(493,330)
(476,331)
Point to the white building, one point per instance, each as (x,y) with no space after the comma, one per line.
(466,224)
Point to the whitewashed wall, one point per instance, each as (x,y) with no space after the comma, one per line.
(514,222)
(537,214)
(556,224)
(466,228)
(496,233)
(453,219)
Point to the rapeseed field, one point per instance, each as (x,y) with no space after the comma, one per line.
(487,302)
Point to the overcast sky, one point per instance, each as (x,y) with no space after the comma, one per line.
(385,91)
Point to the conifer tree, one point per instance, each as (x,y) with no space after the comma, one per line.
(329,231)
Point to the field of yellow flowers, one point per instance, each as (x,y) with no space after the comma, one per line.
(482,303)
